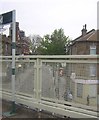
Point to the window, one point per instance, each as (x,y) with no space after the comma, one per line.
(93,90)
(93,70)
(93,50)
(6,47)
(79,90)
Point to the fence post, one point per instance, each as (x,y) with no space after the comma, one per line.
(38,79)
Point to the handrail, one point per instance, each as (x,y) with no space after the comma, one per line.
(81,113)
(53,56)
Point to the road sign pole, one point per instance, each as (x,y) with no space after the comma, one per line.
(13,58)
(7,18)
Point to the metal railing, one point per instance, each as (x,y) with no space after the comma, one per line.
(65,84)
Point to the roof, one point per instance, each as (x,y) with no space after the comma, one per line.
(90,36)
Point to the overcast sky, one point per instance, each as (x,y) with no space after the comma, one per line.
(44,16)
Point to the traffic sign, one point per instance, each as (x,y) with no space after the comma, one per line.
(6,18)
(1,19)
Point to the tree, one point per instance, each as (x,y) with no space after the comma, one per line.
(35,43)
(54,44)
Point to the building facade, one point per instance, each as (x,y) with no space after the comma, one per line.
(85,81)
(22,42)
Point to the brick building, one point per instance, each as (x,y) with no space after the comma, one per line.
(85,44)
(86,75)
(22,42)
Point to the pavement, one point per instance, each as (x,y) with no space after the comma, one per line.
(24,112)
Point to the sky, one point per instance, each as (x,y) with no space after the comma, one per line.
(44,16)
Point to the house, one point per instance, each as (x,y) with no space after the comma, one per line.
(85,44)
(6,46)
(83,78)
(22,42)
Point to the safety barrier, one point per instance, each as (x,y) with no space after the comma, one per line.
(65,84)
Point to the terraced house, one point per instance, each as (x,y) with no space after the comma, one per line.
(85,77)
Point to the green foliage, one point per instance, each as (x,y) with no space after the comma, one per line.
(54,44)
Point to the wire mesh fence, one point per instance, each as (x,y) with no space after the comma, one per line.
(72,82)
(63,80)
(25,77)
(6,75)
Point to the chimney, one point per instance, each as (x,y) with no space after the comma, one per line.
(84,30)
